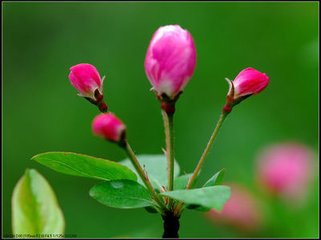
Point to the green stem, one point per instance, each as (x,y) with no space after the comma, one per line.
(143,175)
(201,161)
(206,150)
(169,138)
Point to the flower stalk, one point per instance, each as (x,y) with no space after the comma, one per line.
(169,138)
(207,149)
(142,173)
(168,110)
(202,159)
(108,126)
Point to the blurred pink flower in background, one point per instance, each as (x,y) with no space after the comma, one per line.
(286,170)
(242,211)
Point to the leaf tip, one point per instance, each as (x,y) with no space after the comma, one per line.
(29,172)
(35,157)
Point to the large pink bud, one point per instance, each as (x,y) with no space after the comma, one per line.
(242,211)
(108,126)
(86,79)
(170,60)
(286,170)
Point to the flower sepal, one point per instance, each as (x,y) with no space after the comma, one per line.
(167,103)
(97,100)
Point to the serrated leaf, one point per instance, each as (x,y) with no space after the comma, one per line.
(208,197)
(121,194)
(85,166)
(216,179)
(156,168)
(35,209)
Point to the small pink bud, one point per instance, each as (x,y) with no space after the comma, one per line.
(242,211)
(286,170)
(108,126)
(86,79)
(249,82)
(170,60)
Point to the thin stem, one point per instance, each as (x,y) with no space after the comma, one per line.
(206,150)
(201,161)
(143,175)
(169,138)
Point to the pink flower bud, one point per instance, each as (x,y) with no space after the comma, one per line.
(108,126)
(170,60)
(86,79)
(249,82)
(286,170)
(242,211)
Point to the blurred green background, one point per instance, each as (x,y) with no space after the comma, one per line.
(41,111)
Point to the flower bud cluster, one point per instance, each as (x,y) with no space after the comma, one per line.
(169,65)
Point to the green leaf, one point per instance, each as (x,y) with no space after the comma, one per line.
(181,181)
(208,197)
(216,179)
(156,168)
(85,166)
(121,194)
(197,207)
(35,209)
(151,209)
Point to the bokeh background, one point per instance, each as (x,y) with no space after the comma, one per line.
(41,111)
